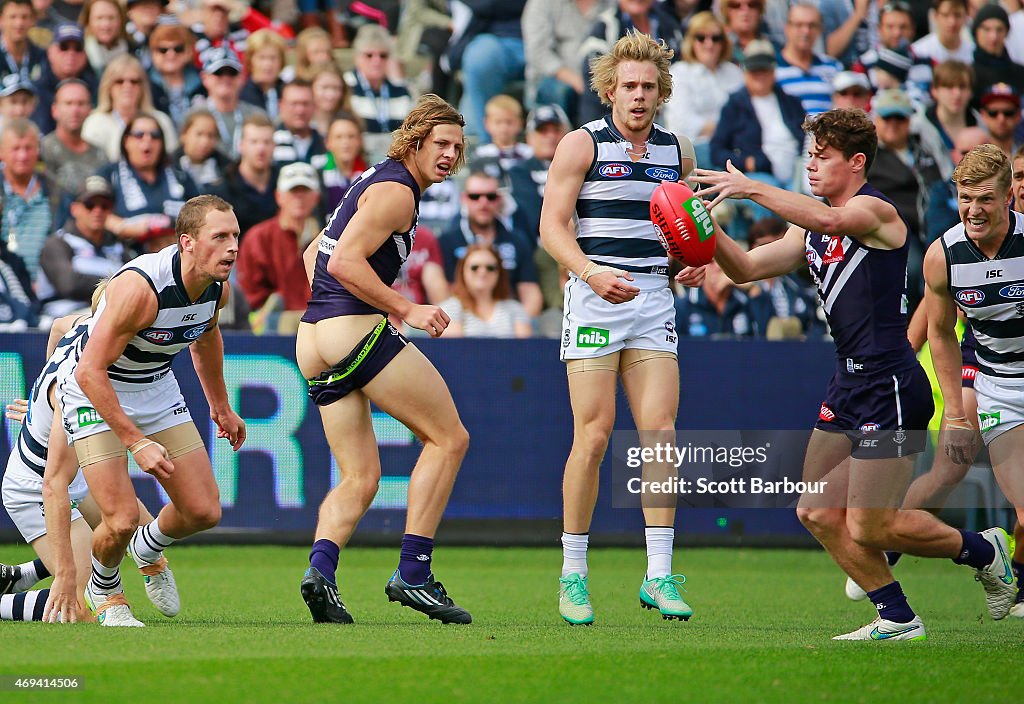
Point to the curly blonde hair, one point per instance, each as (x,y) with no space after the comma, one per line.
(430,110)
(634,46)
(982,163)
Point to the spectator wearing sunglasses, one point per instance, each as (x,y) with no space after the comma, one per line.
(710,78)
(744,22)
(149,191)
(1000,114)
(482,304)
(173,77)
(123,94)
(80,253)
(381,103)
(65,60)
(479,223)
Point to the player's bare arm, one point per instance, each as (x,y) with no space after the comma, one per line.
(961,438)
(59,329)
(384,208)
(208,359)
(870,221)
(309,256)
(131,307)
(60,470)
(773,259)
(573,158)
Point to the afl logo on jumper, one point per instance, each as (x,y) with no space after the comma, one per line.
(661,173)
(158,337)
(833,252)
(971,296)
(615,170)
(193,333)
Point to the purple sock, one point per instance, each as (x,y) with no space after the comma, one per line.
(891,603)
(976,551)
(414,563)
(324,558)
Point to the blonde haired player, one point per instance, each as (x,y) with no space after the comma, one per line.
(619,315)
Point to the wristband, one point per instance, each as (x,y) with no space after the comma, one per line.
(595,269)
(140,444)
(587,271)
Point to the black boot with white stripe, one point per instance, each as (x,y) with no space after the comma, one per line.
(429,598)
(321,596)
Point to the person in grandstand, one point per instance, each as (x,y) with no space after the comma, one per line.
(352,356)
(46,498)
(619,314)
(977,266)
(874,418)
(122,394)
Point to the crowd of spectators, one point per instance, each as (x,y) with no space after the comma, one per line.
(113,113)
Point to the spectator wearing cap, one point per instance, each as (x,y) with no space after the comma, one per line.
(1000,113)
(951,90)
(904,169)
(143,18)
(764,133)
(173,78)
(271,272)
(17,98)
(710,78)
(264,60)
(947,41)
(105,37)
(553,31)
(642,15)
(28,199)
(943,212)
(217,28)
(149,191)
(17,53)
(851,90)
(81,253)
(295,139)
(65,60)
(123,94)
(68,158)
(801,71)
(546,125)
(992,63)
(381,103)
(895,33)
(249,184)
(222,78)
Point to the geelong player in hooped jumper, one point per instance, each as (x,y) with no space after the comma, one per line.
(978,265)
(875,415)
(619,316)
(351,355)
(121,396)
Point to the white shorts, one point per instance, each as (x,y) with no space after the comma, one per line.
(23,497)
(593,327)
(154,407)
(1000,405)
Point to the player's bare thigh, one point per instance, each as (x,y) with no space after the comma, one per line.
(827,459)
(323,344)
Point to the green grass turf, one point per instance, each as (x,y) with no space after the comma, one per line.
(761,630)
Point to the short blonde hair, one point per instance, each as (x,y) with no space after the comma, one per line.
(982,163)
(430,111)
(504,103)
(264,39)
(634,46)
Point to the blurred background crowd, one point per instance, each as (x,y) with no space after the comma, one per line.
(115,112)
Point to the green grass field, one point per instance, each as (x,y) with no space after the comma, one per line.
(760,633)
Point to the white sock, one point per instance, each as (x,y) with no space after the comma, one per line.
(659,551)
(30,574)
(149,543)
(23,606)
(574,554)
(105,580)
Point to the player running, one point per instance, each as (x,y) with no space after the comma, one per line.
(619,318)
(352,356)
(122,395)
(876,412)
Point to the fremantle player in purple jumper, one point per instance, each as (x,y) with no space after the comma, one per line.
(352,356)
(876,411)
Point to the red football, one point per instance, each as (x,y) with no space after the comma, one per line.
(683,224)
